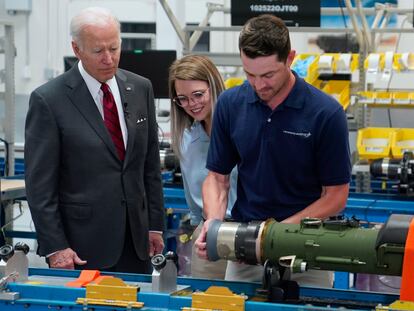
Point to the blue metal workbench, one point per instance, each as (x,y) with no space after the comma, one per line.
(372,208)
(38,295)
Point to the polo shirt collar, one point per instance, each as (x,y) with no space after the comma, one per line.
(295,99)
(251,95)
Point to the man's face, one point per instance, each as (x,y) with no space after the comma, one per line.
(266,74)
(99,50)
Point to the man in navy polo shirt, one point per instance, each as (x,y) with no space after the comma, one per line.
(288,139)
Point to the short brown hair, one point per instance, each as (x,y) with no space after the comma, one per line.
(265,35)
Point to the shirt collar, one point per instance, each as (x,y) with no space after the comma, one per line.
(197,131)
(297,96)
(251,96)
(295,99)
(94,85)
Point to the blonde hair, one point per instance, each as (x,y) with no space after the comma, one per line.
(190,67)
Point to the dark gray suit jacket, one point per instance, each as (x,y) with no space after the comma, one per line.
(78,190)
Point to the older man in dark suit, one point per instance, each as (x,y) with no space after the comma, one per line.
(92,159)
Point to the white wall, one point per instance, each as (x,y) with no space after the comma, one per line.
(44,32)
(48,41)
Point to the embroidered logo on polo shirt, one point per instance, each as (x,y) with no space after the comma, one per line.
(304,135)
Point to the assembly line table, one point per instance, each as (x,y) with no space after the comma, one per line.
(12,189)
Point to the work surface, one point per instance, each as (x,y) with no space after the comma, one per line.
(12,189)
(46,290)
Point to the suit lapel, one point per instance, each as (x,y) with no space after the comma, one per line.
(82,99)
(127,92)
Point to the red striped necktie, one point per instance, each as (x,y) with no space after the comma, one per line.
(111,120)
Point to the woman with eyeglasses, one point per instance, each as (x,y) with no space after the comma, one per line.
(194,85)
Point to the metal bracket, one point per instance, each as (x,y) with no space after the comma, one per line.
(111,291)
(4,294)
(108,302)
(217,298)
(192,41)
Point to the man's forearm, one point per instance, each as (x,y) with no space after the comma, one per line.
(331,202)
(215,193)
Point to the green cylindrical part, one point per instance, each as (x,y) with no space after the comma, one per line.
(332,247)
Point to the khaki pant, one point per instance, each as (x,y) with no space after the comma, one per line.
(205,269)
(249,273)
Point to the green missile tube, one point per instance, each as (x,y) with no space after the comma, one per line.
(335,244)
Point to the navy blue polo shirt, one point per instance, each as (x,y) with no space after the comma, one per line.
(284,156)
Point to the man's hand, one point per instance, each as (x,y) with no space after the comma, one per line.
(200,243)
(156,243)
(65,259)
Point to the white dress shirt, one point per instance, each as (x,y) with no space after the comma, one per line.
(94,87)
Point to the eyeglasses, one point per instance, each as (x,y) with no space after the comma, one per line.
(196,97)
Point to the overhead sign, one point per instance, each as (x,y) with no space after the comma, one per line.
(293,12)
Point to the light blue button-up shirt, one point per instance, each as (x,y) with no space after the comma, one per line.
(194,151)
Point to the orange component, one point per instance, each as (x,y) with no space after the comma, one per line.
(407,288)
(85,277)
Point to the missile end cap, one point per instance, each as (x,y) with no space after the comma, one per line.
(211,240)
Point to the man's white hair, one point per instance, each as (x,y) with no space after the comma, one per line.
(95,16)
